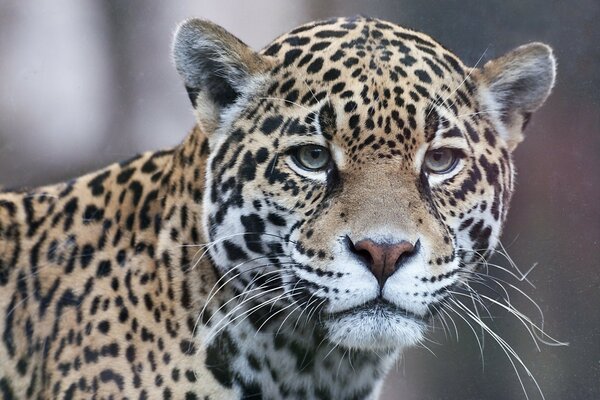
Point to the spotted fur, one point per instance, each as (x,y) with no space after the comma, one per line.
(221,269)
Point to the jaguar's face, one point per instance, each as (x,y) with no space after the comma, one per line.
(359,173)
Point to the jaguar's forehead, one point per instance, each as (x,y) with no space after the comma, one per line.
(367,57)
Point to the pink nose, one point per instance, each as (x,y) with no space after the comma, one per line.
(383,259)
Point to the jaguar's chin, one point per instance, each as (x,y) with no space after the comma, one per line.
(376,325)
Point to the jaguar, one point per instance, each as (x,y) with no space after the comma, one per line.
(338,189)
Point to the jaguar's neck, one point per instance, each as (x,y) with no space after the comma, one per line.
(181,247)
(280,352)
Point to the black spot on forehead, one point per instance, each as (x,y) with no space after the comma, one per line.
(291,56)
(315,66)
(331,34)
(297,41)
(327,120)
(432,121)
(320,46)
(270,124)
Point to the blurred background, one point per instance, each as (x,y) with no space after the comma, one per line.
(86,83)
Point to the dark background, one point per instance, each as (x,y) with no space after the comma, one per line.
(85,83)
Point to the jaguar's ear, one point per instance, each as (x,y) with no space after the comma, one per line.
(513,86)
(216,68)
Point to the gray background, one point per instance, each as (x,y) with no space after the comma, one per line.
(85,83)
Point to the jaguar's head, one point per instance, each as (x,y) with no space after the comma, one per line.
(357,169)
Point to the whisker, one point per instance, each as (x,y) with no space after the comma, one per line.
(479,342)
(276,313)
(248,312)
(506,348)
(244,294)
(211,295)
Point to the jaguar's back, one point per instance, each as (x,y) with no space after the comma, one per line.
(67,276)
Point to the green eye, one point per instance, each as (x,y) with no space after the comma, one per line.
(312,157)
(440,161)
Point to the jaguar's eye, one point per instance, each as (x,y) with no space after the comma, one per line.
(440,161)
(312,157)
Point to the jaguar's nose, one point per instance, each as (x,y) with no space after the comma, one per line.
(383,259)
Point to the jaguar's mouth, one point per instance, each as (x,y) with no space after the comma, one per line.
(376,324)
(380,308)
